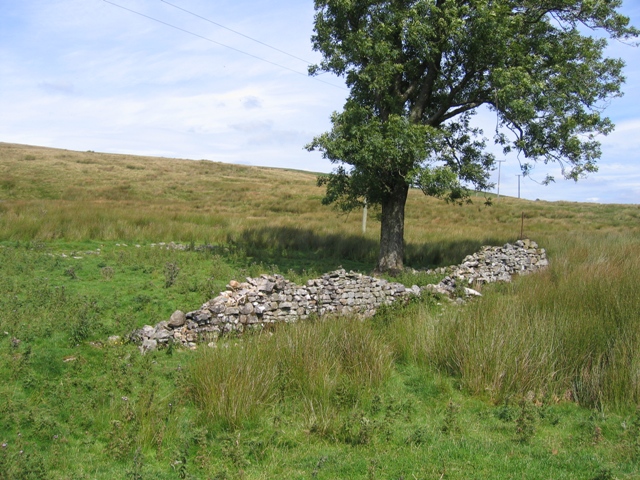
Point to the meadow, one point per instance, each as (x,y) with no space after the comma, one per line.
(539,378)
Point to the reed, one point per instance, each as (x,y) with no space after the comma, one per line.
(571,331)
(321,366)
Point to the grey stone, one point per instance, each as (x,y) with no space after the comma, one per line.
(148,345)
(246,309)
(178,318)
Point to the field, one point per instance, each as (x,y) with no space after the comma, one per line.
(540,378)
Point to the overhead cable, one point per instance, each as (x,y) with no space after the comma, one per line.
(223,45)
(236,32)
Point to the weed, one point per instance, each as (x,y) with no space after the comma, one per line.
(135,471)
(419,436)
(507,412)
(171,271)
(180,463)
(633,434)
(71,273)
(526,420)
(451,423)
(79,331)
(356,429)
(120,442)
(597,435)
(603,473)
(232,451)
(107,272)
(372,469)
(318,466)
(199,438)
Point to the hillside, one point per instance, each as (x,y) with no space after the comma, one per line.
(61,194)
(538,378)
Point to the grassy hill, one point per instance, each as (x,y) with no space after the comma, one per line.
(540,378)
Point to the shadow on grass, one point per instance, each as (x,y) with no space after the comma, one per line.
(299,249)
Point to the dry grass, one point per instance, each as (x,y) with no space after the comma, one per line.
(60,194)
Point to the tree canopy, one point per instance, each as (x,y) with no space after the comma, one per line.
(419,69)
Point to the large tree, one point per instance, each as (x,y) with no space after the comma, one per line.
(417,71)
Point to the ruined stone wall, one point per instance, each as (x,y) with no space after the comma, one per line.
(258,302)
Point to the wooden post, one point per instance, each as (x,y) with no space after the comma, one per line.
(364,218)
(499,164)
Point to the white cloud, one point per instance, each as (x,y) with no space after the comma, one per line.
(91,76)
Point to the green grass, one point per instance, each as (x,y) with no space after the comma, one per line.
(573,328)
(537,379)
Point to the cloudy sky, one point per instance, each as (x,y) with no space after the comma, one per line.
(91,75)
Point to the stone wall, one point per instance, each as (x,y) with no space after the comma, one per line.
(269,299)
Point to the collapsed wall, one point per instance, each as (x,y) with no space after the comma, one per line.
(270,299)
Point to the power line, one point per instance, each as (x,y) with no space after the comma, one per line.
(236,32)
(223,45)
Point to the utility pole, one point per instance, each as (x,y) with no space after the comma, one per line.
(518,185)
(499,165)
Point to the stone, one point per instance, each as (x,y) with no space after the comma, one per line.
(266,285)
(162,335)
(217,308)
(178,319)
(148,345)
(246,309)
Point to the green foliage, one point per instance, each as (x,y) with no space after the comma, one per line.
(526,420)
(430,65)
(171,271)
(451,424)
(418,71)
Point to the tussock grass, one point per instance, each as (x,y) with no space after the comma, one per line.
(321,365)
(572,330)
(233,383)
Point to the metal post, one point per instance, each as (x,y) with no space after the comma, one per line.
(518,185)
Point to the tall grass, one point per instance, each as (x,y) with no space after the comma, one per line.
(322,365)
(573,330)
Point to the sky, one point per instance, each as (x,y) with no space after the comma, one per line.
(91,75)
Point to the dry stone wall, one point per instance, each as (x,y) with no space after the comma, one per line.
(492,264)
(269,299)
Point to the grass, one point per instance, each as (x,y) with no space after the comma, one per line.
(537,379)
(573,329)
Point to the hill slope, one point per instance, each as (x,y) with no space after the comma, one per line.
(539,378)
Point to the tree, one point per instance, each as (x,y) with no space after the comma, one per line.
(419,69)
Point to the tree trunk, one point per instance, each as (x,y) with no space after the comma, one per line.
(392,230)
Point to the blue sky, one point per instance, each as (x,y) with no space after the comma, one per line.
(88,75)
